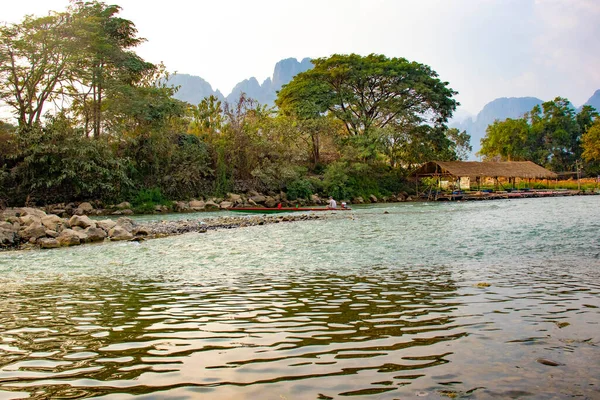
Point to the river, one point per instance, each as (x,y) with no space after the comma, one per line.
(491,299)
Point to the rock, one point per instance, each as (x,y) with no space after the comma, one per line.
(401,197)
(29,219)
(7,237)
(33,231)
(181,206)
(252,202)
(234,198)
(161,208)
(52,222)
(126,212)
(85,207)
(197,205)
(409,198)
(106,224)
(315,199)
(82,221)
(83,237)
(373,198)
(211,204)
(95,234)
(31,211)
(141,231)
(51,233)
(225,204)
(358,200)
(48,243)
(258,199)
(119,233)
(6,225)
(68,237)
(126,223)
(270,202)
(123,206)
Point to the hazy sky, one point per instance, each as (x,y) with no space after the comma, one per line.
(484,48)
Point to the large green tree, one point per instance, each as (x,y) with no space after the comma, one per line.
(549,135)
(369,92)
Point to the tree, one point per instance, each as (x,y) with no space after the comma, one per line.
(506,139)
(34,62)
(105,69)
(591,142)
(369,92)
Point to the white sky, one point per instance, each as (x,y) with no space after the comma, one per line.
(484,48)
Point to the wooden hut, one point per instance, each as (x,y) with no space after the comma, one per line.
(462,173)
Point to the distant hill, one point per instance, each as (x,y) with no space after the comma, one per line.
(193,88)
(499,109)
(594,101)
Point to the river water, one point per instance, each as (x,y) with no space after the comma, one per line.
(496,299)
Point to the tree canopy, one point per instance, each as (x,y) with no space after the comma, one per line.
(369,92)
(549,135)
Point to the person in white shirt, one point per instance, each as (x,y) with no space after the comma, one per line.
(332,203)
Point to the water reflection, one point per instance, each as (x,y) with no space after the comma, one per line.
(95,336)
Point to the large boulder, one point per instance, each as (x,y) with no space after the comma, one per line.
(81,221)
(84,208)
(53,222)
(35,231)
(258,199)
(123,206)
(315,199)
(225,204)
(95,234)
(270,202)
(31,211)
(68,237)
(29,219)
(197,205)
(126,223)
(358,200)
(106,224)
(373,198)
(119,233)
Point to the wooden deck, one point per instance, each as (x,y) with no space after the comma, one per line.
(496,195)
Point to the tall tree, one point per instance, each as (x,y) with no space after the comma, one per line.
(106,68)
(369,92)
(34,62)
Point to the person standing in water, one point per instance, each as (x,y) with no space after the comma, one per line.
(332,203)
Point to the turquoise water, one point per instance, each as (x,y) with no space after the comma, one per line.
(432,300)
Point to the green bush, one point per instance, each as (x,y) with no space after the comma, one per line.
(146,200)
(299,189)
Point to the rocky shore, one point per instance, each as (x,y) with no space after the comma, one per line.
(231,200)
(28,228)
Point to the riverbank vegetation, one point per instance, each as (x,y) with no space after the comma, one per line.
(95,121)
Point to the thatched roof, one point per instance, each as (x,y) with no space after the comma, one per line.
(506,169)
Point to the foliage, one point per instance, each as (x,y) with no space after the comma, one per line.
(146,200)
(591,142)
(57,163)
(369,92)
(549,135)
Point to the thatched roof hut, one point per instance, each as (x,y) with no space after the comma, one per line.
(474,169)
